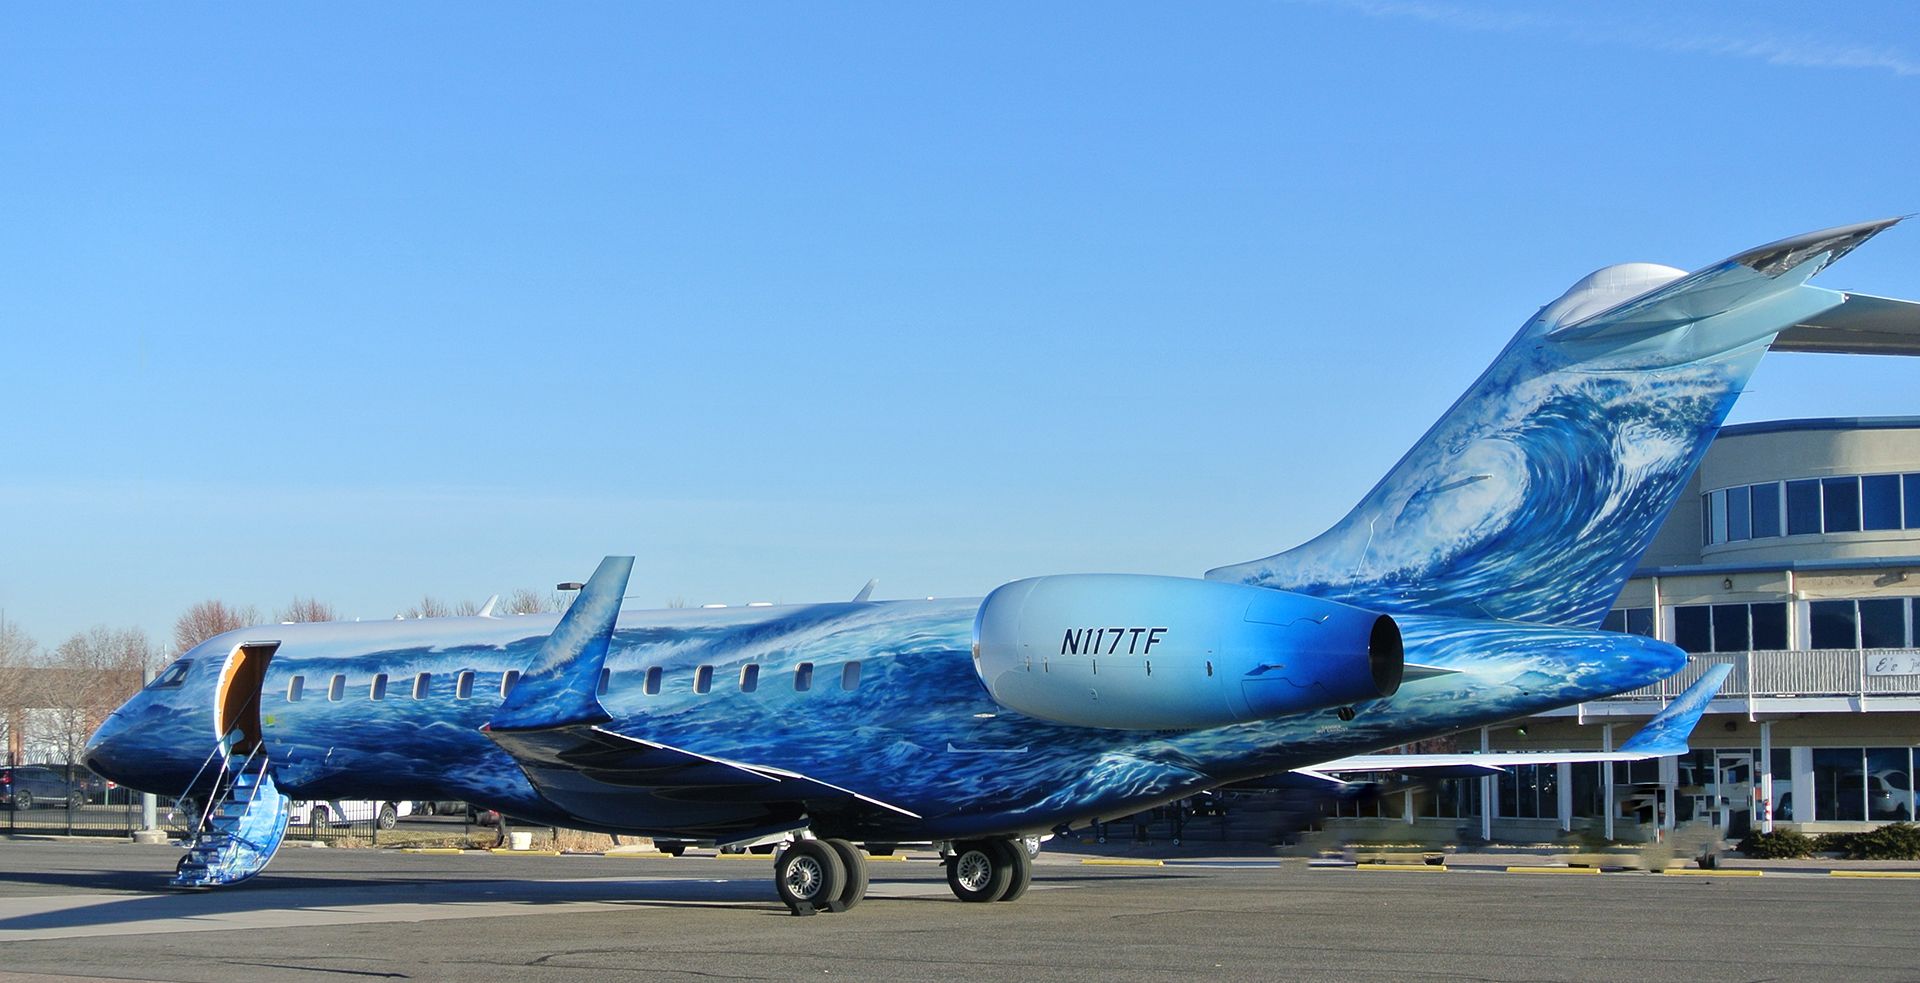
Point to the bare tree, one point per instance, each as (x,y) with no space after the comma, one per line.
(529,601)
(429,607)
(209,618)
(306,609)
(16,662)
(466,609)
(84,679)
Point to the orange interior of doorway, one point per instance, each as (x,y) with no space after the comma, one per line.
(238,700)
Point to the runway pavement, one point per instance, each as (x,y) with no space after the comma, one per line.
(98,910)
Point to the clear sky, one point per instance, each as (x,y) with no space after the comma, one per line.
(374,301)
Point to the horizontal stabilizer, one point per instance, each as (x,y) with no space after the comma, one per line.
(1741,280)
(560,686)
(1862,325)
(1663,736)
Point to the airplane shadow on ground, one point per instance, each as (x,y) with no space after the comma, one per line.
(278,893)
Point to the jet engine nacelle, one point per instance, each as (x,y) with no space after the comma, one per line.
(1171,653)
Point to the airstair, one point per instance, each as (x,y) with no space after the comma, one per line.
(242,825)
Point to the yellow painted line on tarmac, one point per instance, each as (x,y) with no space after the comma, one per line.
(1121,862)
(1874,873)
(504,851)
(890,858)
(1716,872)
(438,851)
(1405,867)
(1522,869)
(743,856)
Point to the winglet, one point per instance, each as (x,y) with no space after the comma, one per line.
(1666,733)
(559,687)
(866,592)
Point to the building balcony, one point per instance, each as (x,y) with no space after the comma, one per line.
(1779,681)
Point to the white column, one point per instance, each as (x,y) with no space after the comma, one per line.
(1489,794)
(1406,806)
(1606,783)
(1670,787)
(1766,776)
(1563,780)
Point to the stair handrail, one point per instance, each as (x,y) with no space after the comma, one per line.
(218,746)
(216,796)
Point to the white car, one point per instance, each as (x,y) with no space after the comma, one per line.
(337,812)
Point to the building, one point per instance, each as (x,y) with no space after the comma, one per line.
(1795,556)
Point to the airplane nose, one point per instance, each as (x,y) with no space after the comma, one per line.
(99,755)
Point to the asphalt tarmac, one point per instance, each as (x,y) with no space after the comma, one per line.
(98,910)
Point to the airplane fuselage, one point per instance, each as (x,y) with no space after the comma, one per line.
(878,697)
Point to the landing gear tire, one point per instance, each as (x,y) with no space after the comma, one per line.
(809,875)
(389,816)
(855,863)
(980,870)
(1022,874)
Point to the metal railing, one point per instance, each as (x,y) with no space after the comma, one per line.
(1774,674)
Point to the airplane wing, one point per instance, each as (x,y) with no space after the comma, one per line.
(1664,735)
(551,725)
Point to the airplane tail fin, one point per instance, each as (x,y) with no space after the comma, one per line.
(1534,496)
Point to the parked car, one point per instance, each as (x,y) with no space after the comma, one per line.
(26,786)
(1886,792)
(339,812)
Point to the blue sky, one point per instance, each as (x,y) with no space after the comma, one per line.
(366,302)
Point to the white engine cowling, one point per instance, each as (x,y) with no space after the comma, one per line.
(1171,653)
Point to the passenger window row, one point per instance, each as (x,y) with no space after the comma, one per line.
(651,683)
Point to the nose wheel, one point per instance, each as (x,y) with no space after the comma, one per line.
(989,870)
(820,875)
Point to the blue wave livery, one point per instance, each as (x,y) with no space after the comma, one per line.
(1465,588)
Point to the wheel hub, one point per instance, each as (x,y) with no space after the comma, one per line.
(973,870)
(804,877)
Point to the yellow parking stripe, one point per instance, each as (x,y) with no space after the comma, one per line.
(1874,873)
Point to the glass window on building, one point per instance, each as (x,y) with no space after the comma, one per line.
(1717,517)
(1889,784)
(1632,621)
(1766,510)
(1839,784)
(1693,628)
(1841,504)
(1883,623)
(1739,517)
(1911,483)
(1769,626)
(1880,501)
(1730,628)
(1803,507)
(1831,625)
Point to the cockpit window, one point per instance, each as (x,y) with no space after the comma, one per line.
(173,676)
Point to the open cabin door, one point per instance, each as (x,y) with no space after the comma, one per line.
(237,702)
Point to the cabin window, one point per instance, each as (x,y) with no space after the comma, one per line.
(749,678)
(606,676)
(420,684)
(653,681)
(337,688)
(703,679)
(294,687)
(174,676)
(803,677)
(507,679)
(463,686)
(378,691)
(850,675)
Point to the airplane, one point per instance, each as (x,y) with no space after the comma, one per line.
(1466,588)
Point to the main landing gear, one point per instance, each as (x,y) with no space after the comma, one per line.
(814,875)
(817,875)
(989,870)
